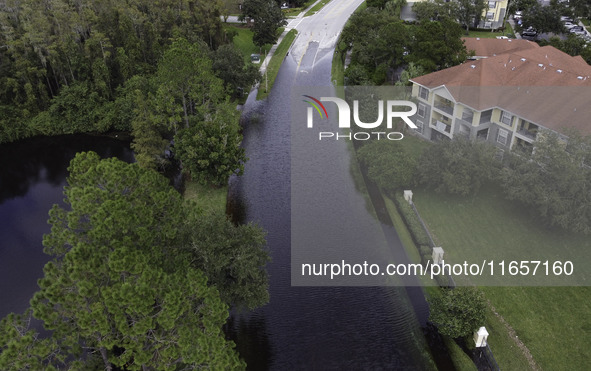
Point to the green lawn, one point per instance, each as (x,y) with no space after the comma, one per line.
(206,197)
(243,41)
(275,64)
(553,322)
(489,34)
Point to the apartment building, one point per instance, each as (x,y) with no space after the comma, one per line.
(512,92)
(493,16)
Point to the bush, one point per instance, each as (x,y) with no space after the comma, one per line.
(426,253)
(413,224)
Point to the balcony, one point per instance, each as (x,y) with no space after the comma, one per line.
(445,107)
(441,126)
(530,134)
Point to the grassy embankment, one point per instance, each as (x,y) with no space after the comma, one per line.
(206,197)
(275,63)
(294,12)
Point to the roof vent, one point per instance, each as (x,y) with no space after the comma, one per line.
(509,40)
(523,59)
(559,71)
(478,38)
(580,77)
(540,65)
(473,66)
(513,69)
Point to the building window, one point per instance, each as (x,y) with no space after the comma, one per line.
(506,118)
(423,93)
(502,137)
(419,128)
(492,4)
(421,110)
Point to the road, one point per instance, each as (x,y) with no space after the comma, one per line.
(319,33)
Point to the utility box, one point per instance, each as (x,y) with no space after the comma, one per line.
(437,255)
(408,196)
(480,337)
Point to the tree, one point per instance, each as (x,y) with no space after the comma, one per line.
(469,12)
(267,17)
(21,348)
(411,71)
(228,65)
(394,7)
(554,179)
(119,288)
(186,84)
(377,42)
(210,149)
(437,45)
(435,10)
(457,312)
(379,4)
(232,257)
(458,166)
(544,18)
(148,144)
(388,164)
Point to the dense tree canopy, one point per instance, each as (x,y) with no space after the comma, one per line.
(81,52)
(458,166)
(544,18)
(136,277)
(555,180)
(380,44)
(458,312)
(267,17)
(437,45)
(388,164)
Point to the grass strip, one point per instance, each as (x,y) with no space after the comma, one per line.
(275,63)
(316,8)
(206,197)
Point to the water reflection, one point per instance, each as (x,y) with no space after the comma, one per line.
(32,177)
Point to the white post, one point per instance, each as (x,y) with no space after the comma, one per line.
(480,337)
(437,255)
(408,196)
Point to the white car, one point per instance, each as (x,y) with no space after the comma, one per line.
(569,25)
(517,14)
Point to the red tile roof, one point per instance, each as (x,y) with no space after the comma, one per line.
(543,85)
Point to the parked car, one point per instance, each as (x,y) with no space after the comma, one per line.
(565,18)
(578,32)
(568,25)
(529,32)
(518,14)
(576,29)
